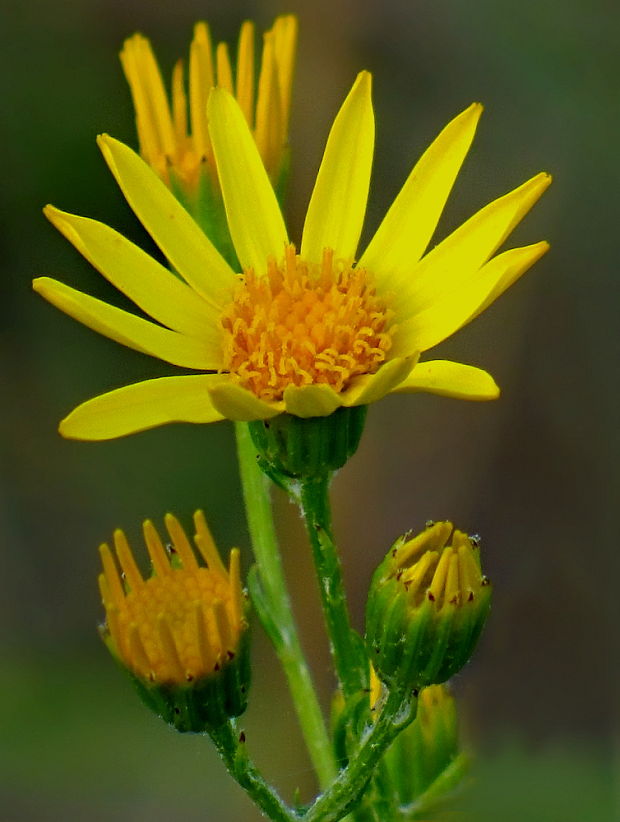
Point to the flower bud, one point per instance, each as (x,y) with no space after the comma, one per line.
(182,633)
(427,604)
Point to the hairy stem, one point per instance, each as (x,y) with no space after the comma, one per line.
(231,747)
(349,661)
(277,614)
(349,785)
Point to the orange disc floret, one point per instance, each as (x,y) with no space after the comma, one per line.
(304,324)
(184,621)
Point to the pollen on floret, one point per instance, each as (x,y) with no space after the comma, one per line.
(305,324)
(182,622)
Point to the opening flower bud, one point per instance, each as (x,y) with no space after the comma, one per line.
(427,605)
(182,631)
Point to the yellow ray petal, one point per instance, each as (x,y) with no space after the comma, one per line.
(181,240)
(450,379)
(206,545)
(269,130)
(126,559)
(201,81)
(224,69)
(237,403)
(141,406)
(179,103)
(128,329)
(284,44)
(254,216)
(410,222)
(338,203)
(181,543)
(513,264)
(157,552)
(151,286)
(471,245)
(245,72)
(374,386)
(153,116)
(453,310)
(311,400)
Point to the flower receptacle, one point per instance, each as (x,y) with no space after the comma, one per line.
(293,447)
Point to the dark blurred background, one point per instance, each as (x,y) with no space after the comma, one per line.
(533,472)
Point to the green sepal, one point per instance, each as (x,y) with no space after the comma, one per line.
(412,646)
(206,703)
(296,448)
(206,205)
(280,185)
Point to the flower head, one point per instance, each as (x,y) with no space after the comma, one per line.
(182,631)
(300,330)
(178,148)
(427,605)
(182,623)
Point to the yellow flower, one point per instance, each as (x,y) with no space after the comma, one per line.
(185,621)
(179,150)
(307,332)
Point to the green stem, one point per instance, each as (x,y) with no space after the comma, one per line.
(233,751)
(345,791)
(349,662)
(279,622)
(447,781)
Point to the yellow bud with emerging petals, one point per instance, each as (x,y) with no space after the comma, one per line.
(427,605)
(181,632)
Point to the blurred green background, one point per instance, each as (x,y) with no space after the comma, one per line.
(533,472)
